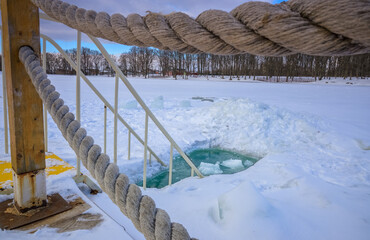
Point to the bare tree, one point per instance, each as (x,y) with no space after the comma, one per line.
(123,63)
(97,60)
(164,61)
(145,57)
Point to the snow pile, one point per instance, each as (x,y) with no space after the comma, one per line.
(245,209)
(131,105)
(185,104)
(256,128)
(157,103)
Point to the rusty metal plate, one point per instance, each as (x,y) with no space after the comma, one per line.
(10,218)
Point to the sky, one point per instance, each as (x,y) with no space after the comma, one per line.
(66,37)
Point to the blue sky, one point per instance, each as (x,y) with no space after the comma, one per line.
(66,37)
(112,48)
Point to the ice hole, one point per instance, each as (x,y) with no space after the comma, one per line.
(209,161)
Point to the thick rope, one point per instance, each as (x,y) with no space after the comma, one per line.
(313,27)
(153,222)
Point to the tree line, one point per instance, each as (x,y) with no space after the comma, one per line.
(139,61)
(143,61)
(92,63)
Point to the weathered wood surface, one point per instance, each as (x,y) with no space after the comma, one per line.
(10,218)
(20,23)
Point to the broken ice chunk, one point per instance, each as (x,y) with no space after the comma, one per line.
(233,164)
(209,168)
(248,163)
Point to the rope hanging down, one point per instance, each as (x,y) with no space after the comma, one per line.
(153,222)
(313,27)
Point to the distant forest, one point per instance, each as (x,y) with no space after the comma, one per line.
(152,62)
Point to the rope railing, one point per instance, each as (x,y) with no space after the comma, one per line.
(153,222)
(313,27)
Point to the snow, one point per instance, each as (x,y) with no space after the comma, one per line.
(67,188)
(157,103)
(131,105)
(244,208)
(313,181)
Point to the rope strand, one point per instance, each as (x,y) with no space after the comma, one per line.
(313,27)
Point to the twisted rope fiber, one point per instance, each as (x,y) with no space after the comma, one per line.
(153,222)
(313,27)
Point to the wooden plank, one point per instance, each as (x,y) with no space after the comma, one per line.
(10,218)
(69,220)
(20,22)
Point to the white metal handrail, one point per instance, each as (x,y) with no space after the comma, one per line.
(143,105)
(96,91)
(45,113)
(141,102)
(78,90)
(115,118)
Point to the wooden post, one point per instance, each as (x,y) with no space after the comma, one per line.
(20,22)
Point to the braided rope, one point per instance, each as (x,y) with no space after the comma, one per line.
(313,27)
(153,222)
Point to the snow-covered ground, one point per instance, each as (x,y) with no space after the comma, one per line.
(313,179)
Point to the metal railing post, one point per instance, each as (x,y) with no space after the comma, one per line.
(170,168)
(142,104)
(115,118)
(105,129)
(45,110)
(5,107)
(129,145)
(78,91)
(145,149)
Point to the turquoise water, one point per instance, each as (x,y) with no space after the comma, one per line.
(209,161)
